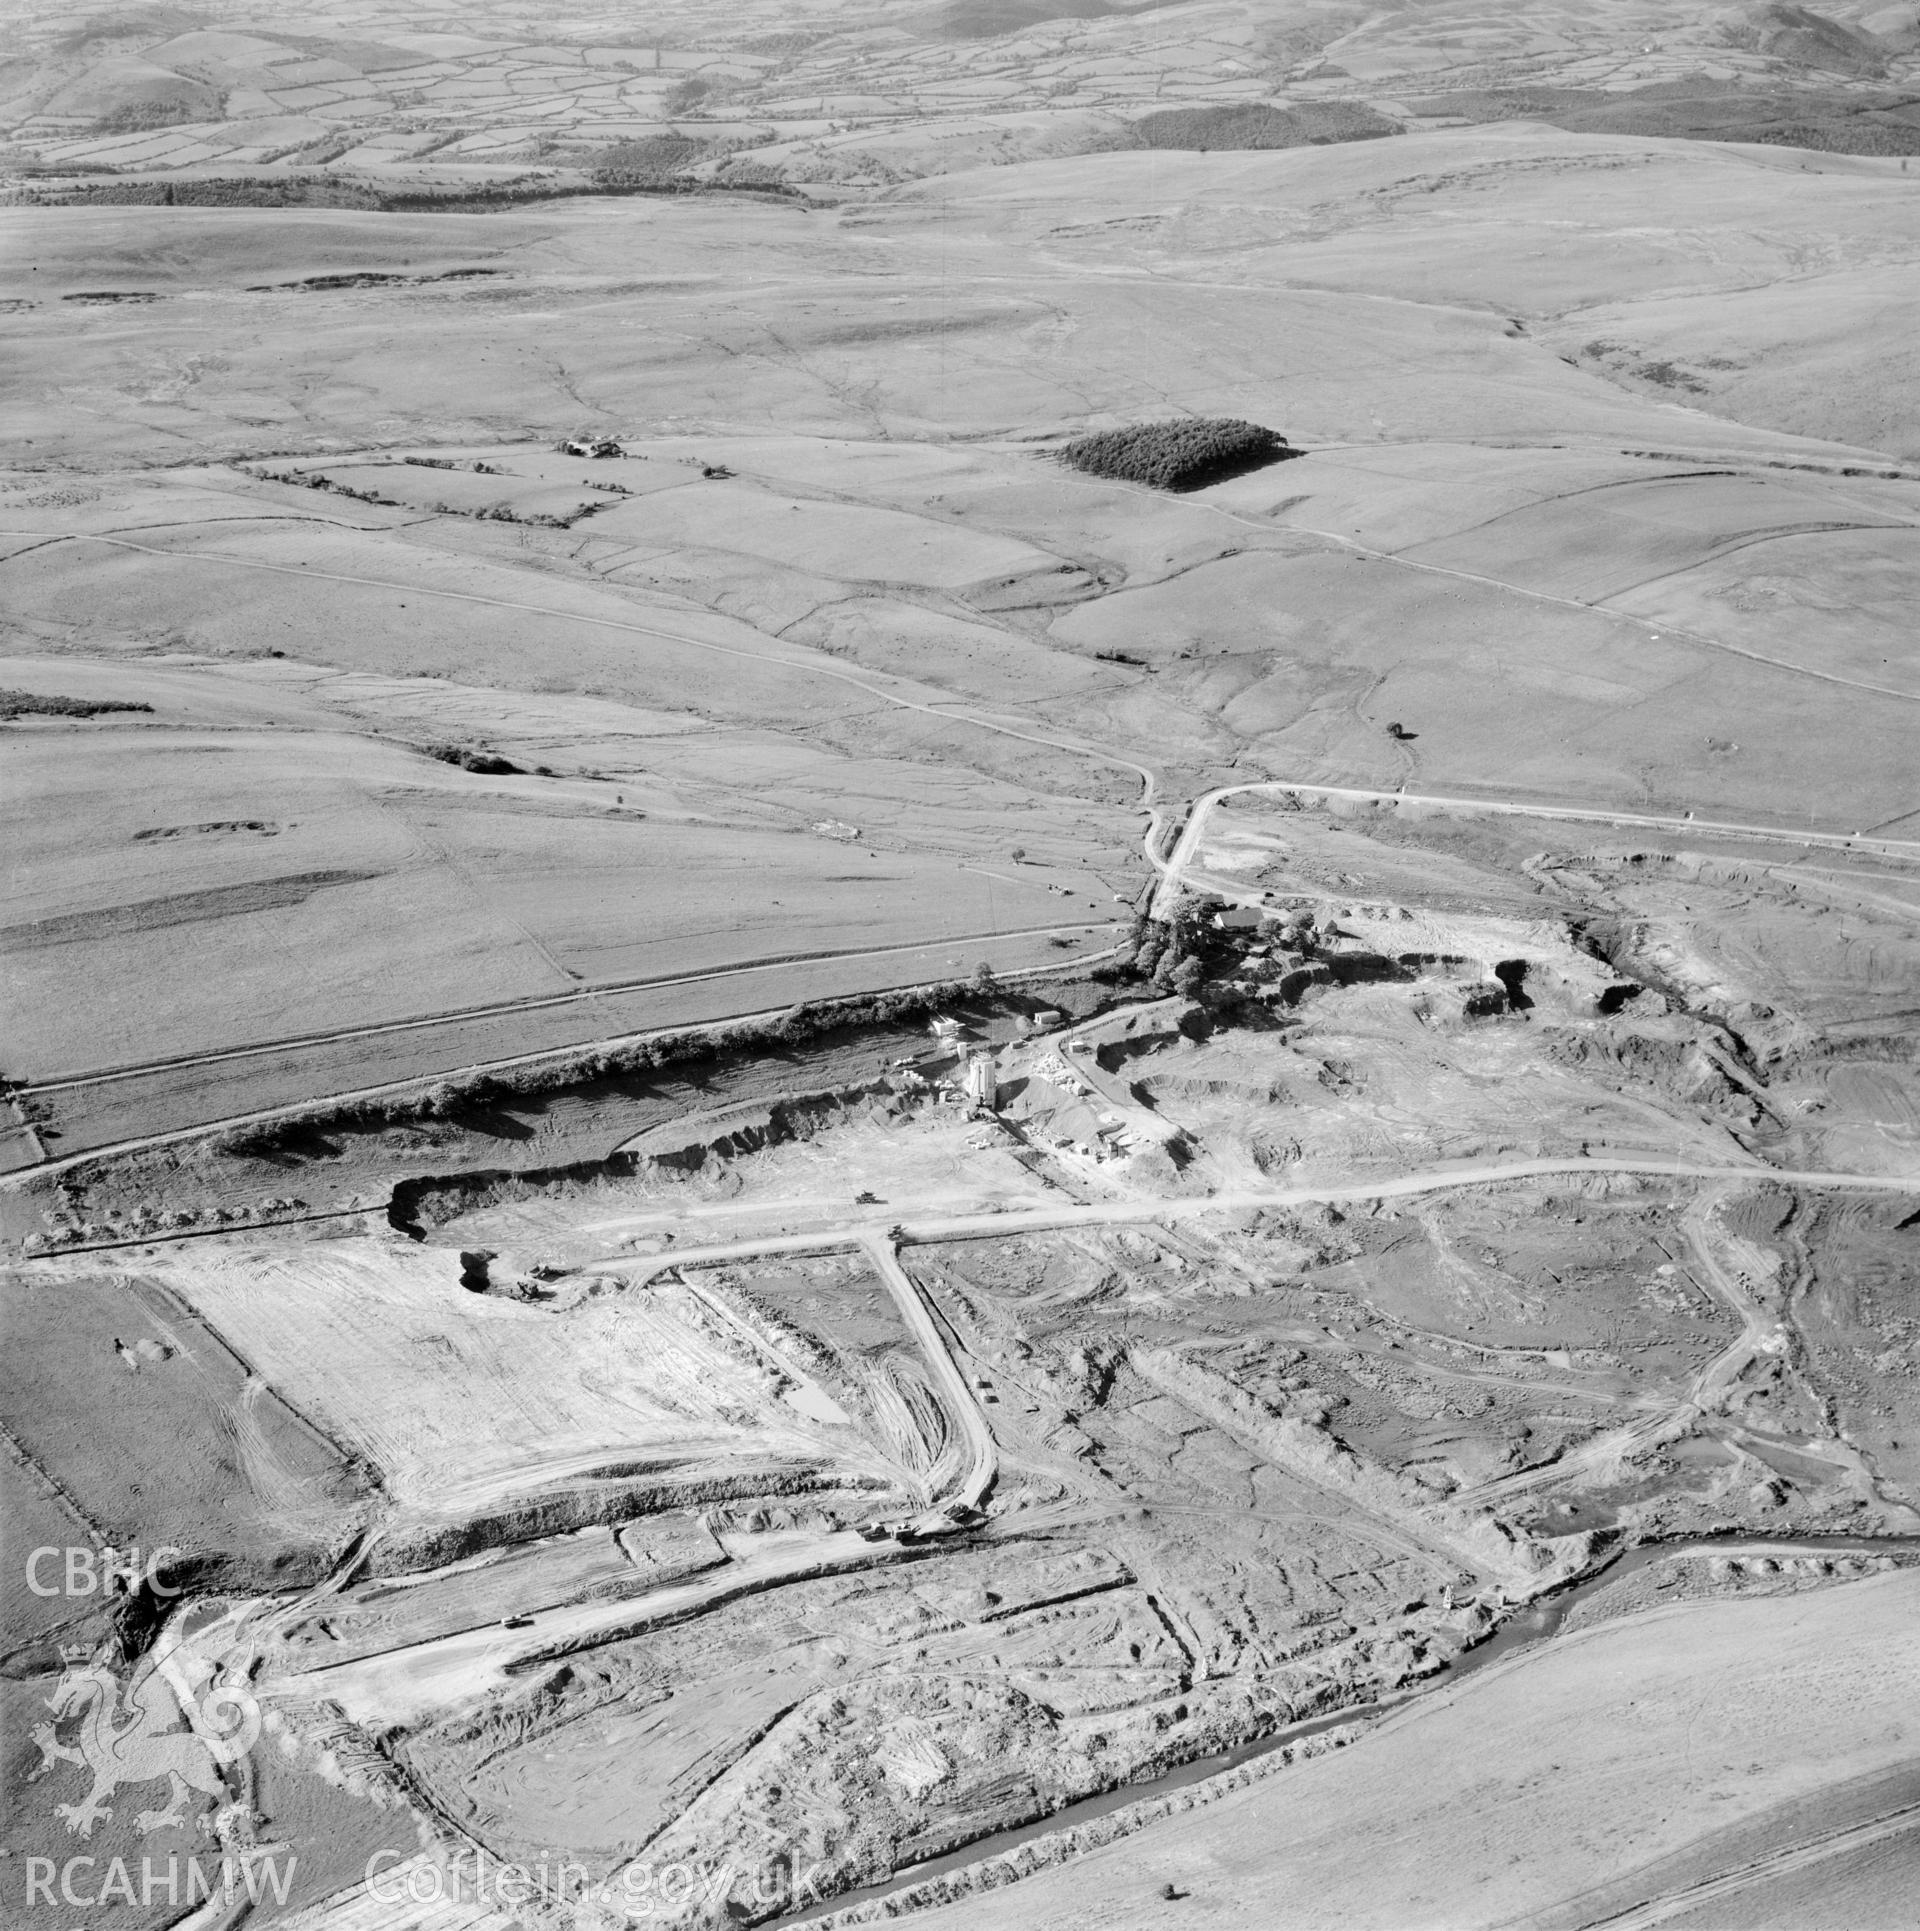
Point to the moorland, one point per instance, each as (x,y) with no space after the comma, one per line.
(954,947)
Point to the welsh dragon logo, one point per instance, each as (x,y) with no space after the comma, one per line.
(174,1720)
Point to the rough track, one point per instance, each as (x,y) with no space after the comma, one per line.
(1193,831)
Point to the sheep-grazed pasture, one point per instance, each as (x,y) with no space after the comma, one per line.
(311,870)
(707,688)
(165,1431)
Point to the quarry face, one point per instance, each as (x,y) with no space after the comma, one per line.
(960,965)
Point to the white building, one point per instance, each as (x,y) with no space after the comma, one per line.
(983,1085)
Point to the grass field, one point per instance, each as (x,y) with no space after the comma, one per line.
(101,1368)
(224,882)
(689,782)
(38,1516)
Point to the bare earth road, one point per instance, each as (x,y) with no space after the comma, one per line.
(25,1174)
(413,1680)
(1028,1220)
(1172,870)
(1173,867)
(612,988)
(968,1415)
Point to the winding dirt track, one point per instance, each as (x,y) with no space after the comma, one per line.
(413,1680)
(1176,863)
(947,713)
(1760,1334)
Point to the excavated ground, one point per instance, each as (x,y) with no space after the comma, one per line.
(1448,1232)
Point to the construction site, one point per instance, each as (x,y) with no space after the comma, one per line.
(1069,1402)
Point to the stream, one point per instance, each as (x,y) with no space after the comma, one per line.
(1538,1622)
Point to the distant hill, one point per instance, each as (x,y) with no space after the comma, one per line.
(1256,125)
(1827,119)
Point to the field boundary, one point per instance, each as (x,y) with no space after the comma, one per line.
(531,1002)
(296,1110)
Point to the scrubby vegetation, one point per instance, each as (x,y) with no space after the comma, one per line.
(694,95)
(654,160)
(364,278)
(1177,455)
(489,764)
(502,512)
(294,191)
(314,479)
(339,191)
(38,704)
(142,117)
(1255,125)
(447,462)
(467,1092)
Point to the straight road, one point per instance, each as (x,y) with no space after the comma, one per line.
(971,1419)
(1030,1220)
(1759,1333)
(411,1682)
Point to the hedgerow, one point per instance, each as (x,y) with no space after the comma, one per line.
(40,704)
